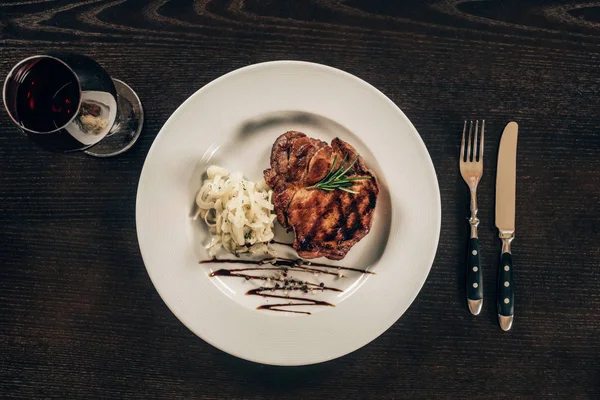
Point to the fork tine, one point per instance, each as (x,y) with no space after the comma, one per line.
(469,142)
(462,144)
(481,140)
(475,137)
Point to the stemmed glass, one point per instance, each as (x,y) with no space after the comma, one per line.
(68,102)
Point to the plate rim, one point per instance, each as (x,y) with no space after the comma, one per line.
(436,221)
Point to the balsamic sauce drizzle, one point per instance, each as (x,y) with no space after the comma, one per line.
(284,265)
(308,302)
(288,262)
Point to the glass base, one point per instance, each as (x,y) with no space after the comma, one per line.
(127,127)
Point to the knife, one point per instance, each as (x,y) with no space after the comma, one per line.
(506,180)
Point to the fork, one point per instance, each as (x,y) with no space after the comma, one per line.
(471,169)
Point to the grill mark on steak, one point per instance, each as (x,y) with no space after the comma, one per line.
(353,223)
(331,215)
(283,198)
(351,228)
(325,223)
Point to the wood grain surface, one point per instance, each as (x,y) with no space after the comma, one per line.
(79,317)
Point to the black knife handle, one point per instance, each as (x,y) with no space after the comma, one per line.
(473,273)
(506,295)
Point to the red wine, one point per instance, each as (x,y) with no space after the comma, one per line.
(62,101)
(47,97)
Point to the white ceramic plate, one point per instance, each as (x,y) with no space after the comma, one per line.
(233,122)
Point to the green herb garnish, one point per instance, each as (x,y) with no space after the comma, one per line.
(337,179)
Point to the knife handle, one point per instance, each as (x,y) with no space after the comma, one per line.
(506,295)
(474,277)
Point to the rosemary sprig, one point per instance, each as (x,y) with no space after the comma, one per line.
(336,177)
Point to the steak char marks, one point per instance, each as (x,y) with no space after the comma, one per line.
(325,223)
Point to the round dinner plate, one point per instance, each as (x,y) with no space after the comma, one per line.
(233,122)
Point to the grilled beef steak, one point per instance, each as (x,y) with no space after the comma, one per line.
(325,223)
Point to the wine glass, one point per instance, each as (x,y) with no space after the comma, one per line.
(68,102)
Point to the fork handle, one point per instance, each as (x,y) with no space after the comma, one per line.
(474,277)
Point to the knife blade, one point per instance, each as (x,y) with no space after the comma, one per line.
(506,182)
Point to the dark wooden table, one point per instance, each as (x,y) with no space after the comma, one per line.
(79,317)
